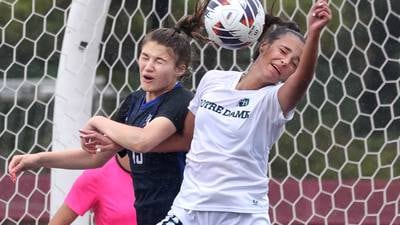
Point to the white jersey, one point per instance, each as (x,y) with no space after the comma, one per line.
(226,167)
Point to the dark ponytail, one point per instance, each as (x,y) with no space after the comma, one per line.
(192,25)
(270,21)
(274,28)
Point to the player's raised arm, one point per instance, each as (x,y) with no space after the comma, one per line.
(296,85)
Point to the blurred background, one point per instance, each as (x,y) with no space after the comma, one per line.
(338,160)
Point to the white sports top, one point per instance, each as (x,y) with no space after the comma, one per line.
(226,167)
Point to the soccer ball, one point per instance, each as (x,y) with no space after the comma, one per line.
(234,24)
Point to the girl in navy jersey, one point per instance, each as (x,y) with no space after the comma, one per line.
(239,115)
(146,118)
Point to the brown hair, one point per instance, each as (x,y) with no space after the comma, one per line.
(274,28)
(191,26)
(176,41)
(178,38)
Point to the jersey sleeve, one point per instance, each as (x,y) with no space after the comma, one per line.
(83,193)
(122,114)
(276,109)
(175,107)
(123,110)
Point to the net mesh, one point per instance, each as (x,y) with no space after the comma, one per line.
(337,161)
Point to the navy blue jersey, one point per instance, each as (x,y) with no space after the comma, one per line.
(157,177)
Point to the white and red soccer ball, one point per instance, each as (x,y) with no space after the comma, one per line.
(234,24)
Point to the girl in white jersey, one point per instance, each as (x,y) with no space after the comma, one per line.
(238,116)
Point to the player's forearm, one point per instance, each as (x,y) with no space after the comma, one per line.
(305,72)
(301,79)
(129,137)
(309,57)
(318,18)
(71,159)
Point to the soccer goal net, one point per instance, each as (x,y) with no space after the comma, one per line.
(337,162)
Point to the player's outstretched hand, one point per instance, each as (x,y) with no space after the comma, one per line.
(95,142)
(21,163)
(319,16)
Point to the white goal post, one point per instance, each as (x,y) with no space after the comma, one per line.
(74,88)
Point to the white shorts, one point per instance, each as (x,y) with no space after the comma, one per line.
(189,217)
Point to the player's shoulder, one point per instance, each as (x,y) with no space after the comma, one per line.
(92,175)
(217,72)
(218,77)
(220,74)
(127,103)
(137,93)
(272,88)
(100,173)
(178,98)
(133,96)
(182,92)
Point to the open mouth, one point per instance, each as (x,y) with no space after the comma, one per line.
(147,78)
(276,68)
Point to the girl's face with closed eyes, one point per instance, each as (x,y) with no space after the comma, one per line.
(158,69)
(280,58)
